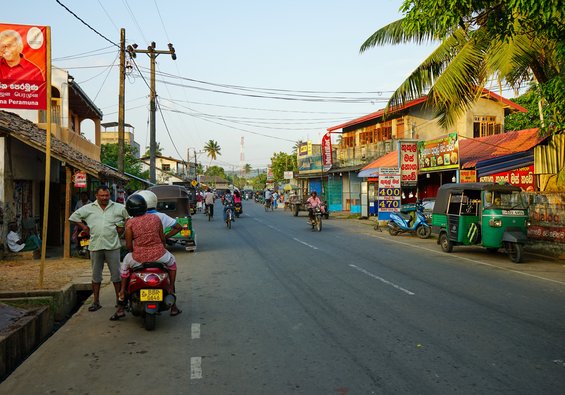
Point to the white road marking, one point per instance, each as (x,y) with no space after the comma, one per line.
(195,331)
(435,251)
(195,368)
(382,279)
(306,244)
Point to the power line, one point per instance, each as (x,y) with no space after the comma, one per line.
(86,24)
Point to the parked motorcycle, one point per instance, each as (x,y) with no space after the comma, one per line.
(317,221)
(148,293)
(402,222)
(83,241)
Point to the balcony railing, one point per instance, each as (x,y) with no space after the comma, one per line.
(363,154)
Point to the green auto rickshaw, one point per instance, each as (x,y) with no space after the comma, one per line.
(174,200)
(478,213)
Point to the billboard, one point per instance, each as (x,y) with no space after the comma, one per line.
(439,154)
(327,151)
(23,65)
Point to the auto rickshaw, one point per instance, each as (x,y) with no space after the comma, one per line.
(478,213)
(174,200)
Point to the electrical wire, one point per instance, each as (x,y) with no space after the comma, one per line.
(86,24)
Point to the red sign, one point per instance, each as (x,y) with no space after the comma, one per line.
(80,179)
(327,152)
(550,233)
(522,177)
(408,162)
(23,64)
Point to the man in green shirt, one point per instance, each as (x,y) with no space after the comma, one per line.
(105,221)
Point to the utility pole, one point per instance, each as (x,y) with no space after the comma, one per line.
(152,53)
(121,102)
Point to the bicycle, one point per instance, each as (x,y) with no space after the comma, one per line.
(209,212)
(229,218)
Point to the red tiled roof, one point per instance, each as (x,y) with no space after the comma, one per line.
(381,112)
(387,160)
(473,150)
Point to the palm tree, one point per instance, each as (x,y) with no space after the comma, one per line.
(158,150)
(470,54)
(296,146)
(247,168)
(212,149)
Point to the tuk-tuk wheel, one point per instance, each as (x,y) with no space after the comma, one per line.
(515,252)
(446,244)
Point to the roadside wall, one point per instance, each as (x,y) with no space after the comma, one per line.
(547,218)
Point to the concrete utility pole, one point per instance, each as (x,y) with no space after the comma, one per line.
(121,102)
(152,53)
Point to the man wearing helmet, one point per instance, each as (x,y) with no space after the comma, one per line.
(104,220)
(146,242)
(166,221)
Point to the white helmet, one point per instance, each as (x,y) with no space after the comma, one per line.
(150,198)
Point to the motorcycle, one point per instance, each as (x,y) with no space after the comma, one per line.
(326,210)
(238,209)
(83,241)
(148,293)
(317,221)
(402,222)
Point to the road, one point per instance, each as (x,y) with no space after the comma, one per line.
(270,307)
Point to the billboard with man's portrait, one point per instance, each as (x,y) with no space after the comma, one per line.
(23,66)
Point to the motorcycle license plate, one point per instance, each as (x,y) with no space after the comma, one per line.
(84,242)
(151,295)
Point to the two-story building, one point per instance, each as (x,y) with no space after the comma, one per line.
(168,170)
(110,135)
(22,163)
(368,143)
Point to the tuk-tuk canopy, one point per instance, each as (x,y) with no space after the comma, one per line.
(170,192)
(442,198)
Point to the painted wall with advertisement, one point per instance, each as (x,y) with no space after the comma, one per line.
(547,218)
(23,65)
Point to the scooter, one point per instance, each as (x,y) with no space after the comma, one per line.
(403,222)
(83,241)
(148,293)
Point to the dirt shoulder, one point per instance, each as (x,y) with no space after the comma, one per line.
(24,275)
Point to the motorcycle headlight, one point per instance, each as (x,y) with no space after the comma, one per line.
(495,222)
(528,223)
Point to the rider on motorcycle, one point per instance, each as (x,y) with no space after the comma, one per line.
(228,205)
(166,221)
(237,200)
(146,241)
(268,197)
(313,202)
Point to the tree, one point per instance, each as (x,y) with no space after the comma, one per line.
(282,162)
(215,171)
(247,168)
(158,150)
(132,165)
(515,41)
(212,149)
(521,120)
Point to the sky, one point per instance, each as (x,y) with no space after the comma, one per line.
(270,72)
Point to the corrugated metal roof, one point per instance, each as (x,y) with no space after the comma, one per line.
(374,115)
(550,158)
(372,169)
(473,150)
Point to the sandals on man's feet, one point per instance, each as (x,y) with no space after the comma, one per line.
(94,307)
(117,316)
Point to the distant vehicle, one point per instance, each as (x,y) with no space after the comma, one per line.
(428,204)
(174,200)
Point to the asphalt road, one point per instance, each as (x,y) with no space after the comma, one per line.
(271,307)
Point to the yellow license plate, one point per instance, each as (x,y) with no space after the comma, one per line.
(84,242)
(151,295)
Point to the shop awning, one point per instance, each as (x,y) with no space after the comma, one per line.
(475,150)
(504,163)
(372,169)
(30,134)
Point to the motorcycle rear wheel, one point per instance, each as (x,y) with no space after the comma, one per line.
(149,322)
(393,229)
